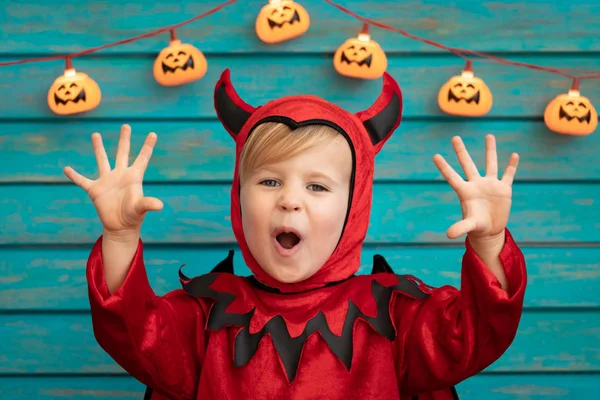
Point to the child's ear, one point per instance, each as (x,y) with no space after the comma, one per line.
(384,116)
(233,112)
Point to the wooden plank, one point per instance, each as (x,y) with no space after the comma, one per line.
(490,387)
(54,278)
(475,25)
(401,213)
(129,90)
(202,150)
(64,343)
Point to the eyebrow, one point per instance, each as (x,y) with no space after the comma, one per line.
(317,174)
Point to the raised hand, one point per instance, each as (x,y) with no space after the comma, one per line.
(117,194)
(485,200)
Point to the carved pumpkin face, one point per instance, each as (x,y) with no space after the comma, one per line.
(360,58)
(179,64)
(571,114)
(281,20)
(72,93)
(465,95)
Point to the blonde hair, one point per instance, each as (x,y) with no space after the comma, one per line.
(274,142)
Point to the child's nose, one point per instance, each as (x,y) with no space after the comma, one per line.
(289,202)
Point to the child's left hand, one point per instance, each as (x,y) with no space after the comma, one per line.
(485,200)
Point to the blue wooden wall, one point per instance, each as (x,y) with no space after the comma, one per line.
(47,225)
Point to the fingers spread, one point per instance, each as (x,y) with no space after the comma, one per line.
(491,157)
(141,162)
(122,160)
(100,152)
(77,178)
(453,178)
(464,158)
(511,170)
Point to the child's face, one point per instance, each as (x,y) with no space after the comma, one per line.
(306,194)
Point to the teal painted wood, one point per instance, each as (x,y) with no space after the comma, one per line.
(54,278)
(64,343)
(203,151)
(551,216)
(489,387)
(130,91)
(402,213)
(512,25)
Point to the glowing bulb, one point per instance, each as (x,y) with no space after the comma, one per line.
(571,113)
(73,92)
(360,57)
(465,95)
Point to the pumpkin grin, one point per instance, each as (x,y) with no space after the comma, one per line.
(468,100)
(365,61)
(188,64)
(585,118)
(273,24)
(80,96)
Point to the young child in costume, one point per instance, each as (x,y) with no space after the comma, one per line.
(304,326)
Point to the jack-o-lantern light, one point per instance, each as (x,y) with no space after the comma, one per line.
(465,95)
(571,114)
(179,63)
(360,57)
(73,92)
(281,20)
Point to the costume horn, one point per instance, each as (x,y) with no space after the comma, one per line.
(384,116)
(233,112)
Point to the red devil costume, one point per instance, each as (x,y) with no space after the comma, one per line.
(335,335)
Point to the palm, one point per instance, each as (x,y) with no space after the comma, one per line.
(117,194)
(485,200)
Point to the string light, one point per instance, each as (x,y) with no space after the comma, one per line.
(73,92)
(360,57)
(299,23)
(179,63)
(465,95)
(571,113)
(281,20)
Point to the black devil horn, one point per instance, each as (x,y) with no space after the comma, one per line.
(384,116)
(233,112)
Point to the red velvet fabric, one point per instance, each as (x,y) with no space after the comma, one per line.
(164,342)
(440,340)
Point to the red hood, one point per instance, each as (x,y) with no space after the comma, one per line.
(366,132)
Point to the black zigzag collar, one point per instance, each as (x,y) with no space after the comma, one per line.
(288,348)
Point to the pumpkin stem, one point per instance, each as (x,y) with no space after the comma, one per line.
(68,63)
(365,29)
(469,66)
(173,35)
(575,85)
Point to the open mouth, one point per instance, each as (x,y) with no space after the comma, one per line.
(288,240)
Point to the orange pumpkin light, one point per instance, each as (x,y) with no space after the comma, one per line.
(360,57)
(465,95)
(571,114)
(73,92)
(281,20)
(179,63)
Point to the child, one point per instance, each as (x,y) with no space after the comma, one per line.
(300,204)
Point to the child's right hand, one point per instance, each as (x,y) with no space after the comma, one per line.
(117,194)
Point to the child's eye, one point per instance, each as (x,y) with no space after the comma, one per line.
(269,182)
(317,188)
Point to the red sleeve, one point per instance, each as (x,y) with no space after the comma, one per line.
(454,334)
(159,340)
